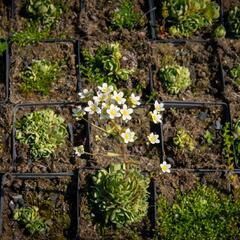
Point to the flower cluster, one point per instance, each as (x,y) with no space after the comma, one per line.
(116,109)
(110,104)
(156,115)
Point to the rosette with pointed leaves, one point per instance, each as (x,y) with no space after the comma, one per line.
(175,78)
(185,17)
(119,196)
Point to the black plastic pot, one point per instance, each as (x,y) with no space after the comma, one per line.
(219,83)
(153,128)
(31,107)
(151,200)
(201,173)
(76,45)
(152,4)
(226,117)
(35,176)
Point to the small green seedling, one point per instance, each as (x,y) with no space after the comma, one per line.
(234,21)
(175,78)
(125,16)
(39,76)
(235,74)
(30,218)
(208,137)
(183,141)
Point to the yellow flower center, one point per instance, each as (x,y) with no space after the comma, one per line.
(125,112)
(164,168)
(112,112)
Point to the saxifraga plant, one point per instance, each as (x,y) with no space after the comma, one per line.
(43,131)
(185,17)
(125,16)
(236,135)
(105,65)
(43,11)
(183,141)
(228,141)
(39,76)
(118,196)
(234,21)
(30,218)
(235,74)
(203,213)
(175,78)
(31,34)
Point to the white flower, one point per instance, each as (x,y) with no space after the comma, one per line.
(126,113)
(79,150)
(156,117)
(118,97)
(105,88)
(159,107)
(153,138)
(99,98)
(83,93)
(134,100)
(128,136)
(165,167)
(92,108)
(113,111)
(78,112)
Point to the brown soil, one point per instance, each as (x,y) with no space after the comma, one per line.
(67,25)
(89,231)
(63,159)
(203,155)
(204,33)
(65,88)
(138,152)
(228,4)
(94,19)
(134,45)
(199,58)
(5,133)
(4,23)
(229,51)
(55,199)
(168,185)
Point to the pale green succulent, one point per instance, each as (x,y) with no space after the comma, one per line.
(183,140)
(219,32)
(175,78)
(119,196)
(43,131)
(185,17)
(30,218)
(44,11)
